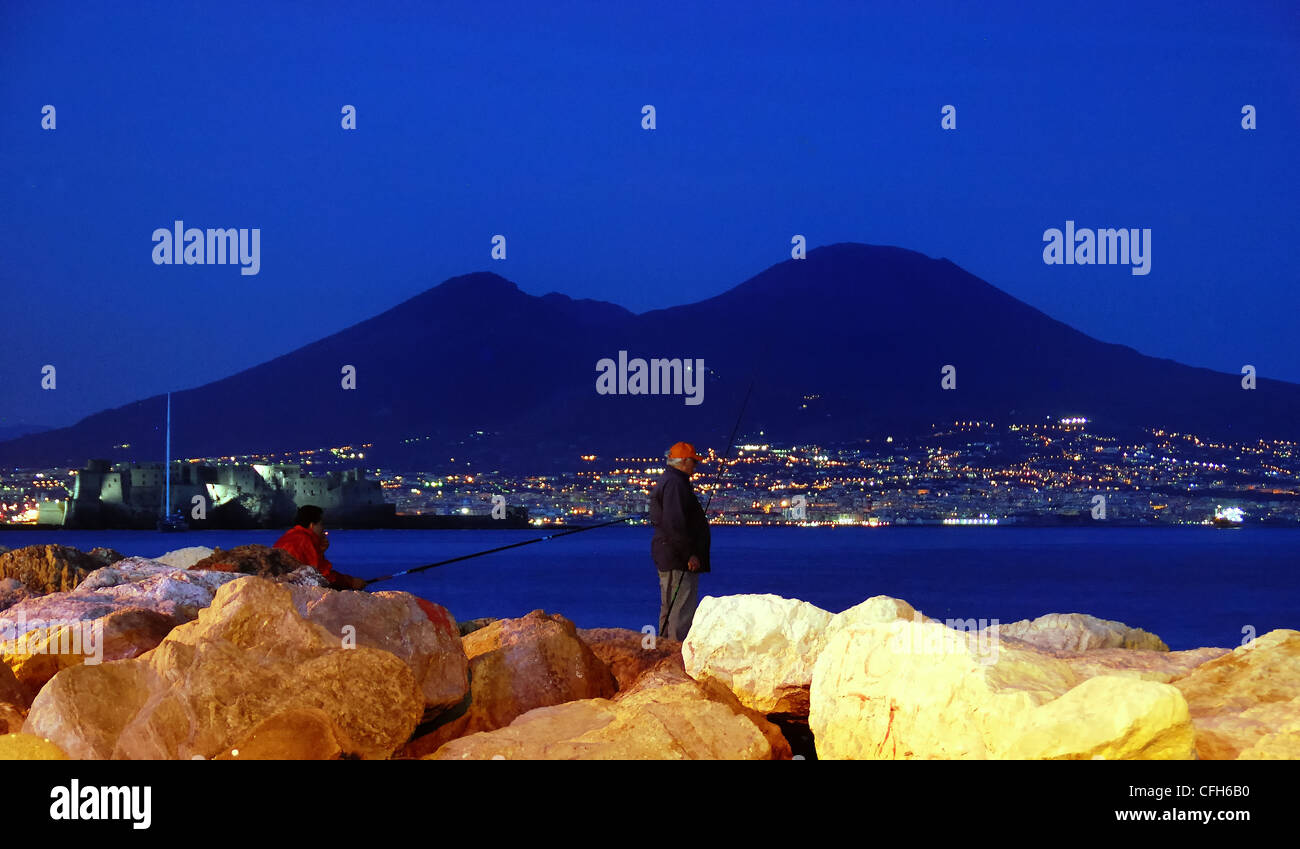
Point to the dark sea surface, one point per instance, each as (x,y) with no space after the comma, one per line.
(1191,586)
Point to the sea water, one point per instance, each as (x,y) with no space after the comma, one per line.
(1190,586)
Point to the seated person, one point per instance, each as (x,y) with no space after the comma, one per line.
(307,542)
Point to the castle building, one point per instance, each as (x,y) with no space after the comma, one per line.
(268,494)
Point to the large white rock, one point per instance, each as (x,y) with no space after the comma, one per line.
(139,582)
(1076,632)
(762,647)
(133,582)
(184,558)
(1111,717)
(907,689)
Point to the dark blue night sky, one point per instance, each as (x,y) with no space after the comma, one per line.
(525,119)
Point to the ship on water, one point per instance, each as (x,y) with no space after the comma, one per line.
(1228,517)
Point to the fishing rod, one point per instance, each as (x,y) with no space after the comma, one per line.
(717,476)
(502,548)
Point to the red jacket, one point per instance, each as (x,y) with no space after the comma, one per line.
(306,548)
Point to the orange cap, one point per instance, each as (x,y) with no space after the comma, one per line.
(682,450)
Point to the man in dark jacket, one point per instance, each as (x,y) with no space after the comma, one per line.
(680,546)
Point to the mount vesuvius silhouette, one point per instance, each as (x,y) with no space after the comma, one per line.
(845,344)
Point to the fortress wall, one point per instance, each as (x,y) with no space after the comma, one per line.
(88,486)
(110,490)
(51,512)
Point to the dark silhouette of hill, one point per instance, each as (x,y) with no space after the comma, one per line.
(15,431)
(845,344)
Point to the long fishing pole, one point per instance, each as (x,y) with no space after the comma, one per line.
(502,548)
(717,476)
(663,625)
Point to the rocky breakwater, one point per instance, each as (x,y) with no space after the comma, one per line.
(265,671)
(1246,704)
(245,656)
(40,569)
(88,619)
(912,689)
(881,680)
(115,612)
(543,689)
(664,715)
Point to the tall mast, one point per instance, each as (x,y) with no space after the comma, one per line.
(167,464)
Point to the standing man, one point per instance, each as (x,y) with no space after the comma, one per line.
(680,546)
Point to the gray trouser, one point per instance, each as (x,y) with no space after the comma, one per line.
(686,585)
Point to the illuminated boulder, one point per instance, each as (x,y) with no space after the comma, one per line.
(210,682)
(627,653)
(916,690)
(666,716)
(1246,704)
(762,647)
(1079,632)
(517,665)
(184,558)
(42,569)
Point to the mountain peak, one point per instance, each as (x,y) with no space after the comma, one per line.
(478,282)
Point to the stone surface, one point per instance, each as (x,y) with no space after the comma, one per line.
(85,708)
(469,626)
(1283,742)
(1077,632)
(671,672)
(628,653)
(296,734)
(1244,700)
(122,634)
(184,558)
(247,657)
(26,747)
(12,718)
(762,647)
(909,689)
(400,623)
(261,560)
(134,583)
(12,592)
(517,665)
(1110,717)
(48,568)
(11,690)
(667,716)
(106,556)
(546,733)
(437,614)
(874,611)
(1161,666)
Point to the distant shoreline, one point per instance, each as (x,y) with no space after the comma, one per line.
(490,525)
